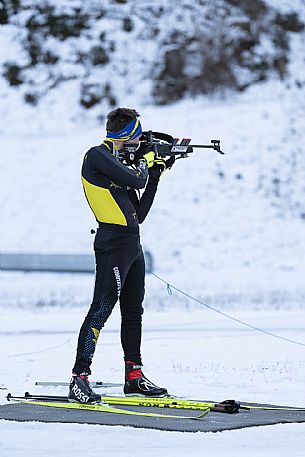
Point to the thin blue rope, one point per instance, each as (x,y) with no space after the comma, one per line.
(170,287)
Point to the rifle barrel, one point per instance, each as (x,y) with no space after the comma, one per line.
(210,146)
(207,146)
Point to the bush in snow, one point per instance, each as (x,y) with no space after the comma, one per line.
(157,52)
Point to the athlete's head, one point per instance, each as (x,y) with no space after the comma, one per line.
(123,125)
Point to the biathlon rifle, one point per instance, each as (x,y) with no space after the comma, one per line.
(164,145)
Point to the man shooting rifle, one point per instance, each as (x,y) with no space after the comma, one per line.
(112,172)
(110,188)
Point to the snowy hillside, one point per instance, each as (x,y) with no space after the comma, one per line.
(103,54)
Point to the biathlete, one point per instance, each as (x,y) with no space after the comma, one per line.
(110,188)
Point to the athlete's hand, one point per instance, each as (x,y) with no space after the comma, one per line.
(150,158)
(158,168)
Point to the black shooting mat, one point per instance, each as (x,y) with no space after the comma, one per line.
(213,422)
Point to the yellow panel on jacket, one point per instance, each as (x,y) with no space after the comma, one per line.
(103,204)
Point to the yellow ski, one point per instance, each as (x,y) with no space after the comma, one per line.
(110,409)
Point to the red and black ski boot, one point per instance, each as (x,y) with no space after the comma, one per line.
(136,384)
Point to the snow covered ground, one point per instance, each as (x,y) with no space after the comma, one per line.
(204,356)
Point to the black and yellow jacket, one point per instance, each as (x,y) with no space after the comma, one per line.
(109,187)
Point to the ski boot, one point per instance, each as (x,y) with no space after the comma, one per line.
(80,390)
(136,384)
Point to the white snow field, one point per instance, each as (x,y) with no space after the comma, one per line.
(195,354)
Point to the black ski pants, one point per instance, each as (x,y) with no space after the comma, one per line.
(120,274)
